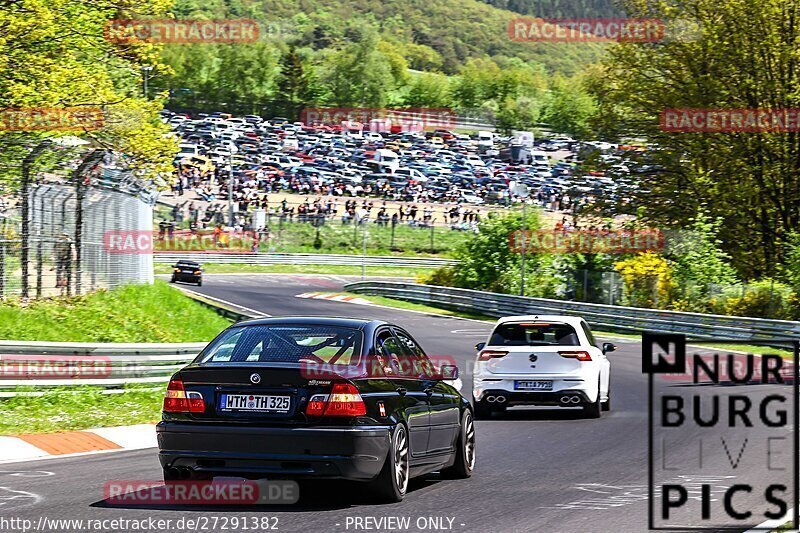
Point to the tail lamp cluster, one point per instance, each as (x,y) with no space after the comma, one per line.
(580,355)
(178,400)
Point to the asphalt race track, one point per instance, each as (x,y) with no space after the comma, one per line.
(537,470)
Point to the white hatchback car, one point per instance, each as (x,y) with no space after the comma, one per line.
(542,360)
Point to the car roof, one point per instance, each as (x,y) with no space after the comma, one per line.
(344,322)
(566,319)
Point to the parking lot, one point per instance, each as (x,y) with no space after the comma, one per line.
(417,177)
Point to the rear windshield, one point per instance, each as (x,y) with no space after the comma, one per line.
(285,344)
(534,334)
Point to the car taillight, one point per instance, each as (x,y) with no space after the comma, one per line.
(177,400)
(344,400)
(485,355)
(580,355)
(197,272)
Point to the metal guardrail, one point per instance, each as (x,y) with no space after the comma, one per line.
(615,318)
(302,259)
(53,364)
(43,365)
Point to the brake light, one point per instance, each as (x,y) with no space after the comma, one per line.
(316,405)
(197,272)
(177,400)
(486,355)
(344,400)
(580,355)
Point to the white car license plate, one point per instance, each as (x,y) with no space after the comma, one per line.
(255,402)
(533,385)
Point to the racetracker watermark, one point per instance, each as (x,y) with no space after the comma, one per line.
(385,118)
(189,492)
(135,242)
(177,31)
(589,30)
(731,417)
(14,366)
(378,367)
(692,120)
(581,241)
(51,118)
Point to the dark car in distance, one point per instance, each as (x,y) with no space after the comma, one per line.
(300,398)
(187,272)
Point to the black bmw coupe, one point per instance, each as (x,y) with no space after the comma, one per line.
(336,398)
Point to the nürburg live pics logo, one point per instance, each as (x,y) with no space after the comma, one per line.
(723,433)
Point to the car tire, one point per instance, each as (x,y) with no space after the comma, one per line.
(392,483)
(482,411)
(199,283)
(593,409)
(607,404)
(465,450)
(172,279)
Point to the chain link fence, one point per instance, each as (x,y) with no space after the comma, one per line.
(54,228)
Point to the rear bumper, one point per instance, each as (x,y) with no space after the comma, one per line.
(533,397)
(356,453)
(581,384)
(188,278)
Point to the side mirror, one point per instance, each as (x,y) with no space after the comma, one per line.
(449,372)
(479,346)
(609,347)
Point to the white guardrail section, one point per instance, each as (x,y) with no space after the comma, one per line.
(303,259)
(53,364)
(602,317)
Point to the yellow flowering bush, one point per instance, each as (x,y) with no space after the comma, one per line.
(648,280)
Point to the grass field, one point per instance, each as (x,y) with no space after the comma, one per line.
(337,238)
(79,408)
(135,313)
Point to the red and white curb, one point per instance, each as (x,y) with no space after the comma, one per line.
(334,296)
(31,446)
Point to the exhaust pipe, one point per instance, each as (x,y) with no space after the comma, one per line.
(491,399)
(500,399)
(564,400)
(575,399)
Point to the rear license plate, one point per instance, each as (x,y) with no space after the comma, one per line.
(255,402)
(533,385)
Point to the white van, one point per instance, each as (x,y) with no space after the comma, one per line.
(485,140)
(387,158)
(188,150)
(540,158)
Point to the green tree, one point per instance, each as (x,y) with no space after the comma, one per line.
(360,74)
(487,258)
(295,87)
(698,259)
(55,53)
(427,90)
(749,179)
(569,107)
